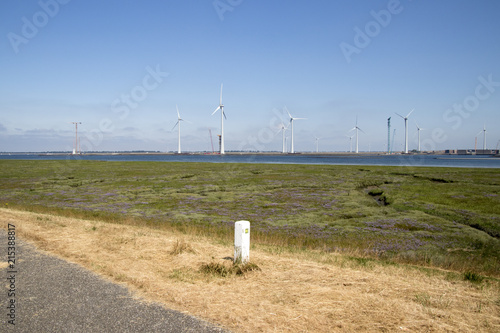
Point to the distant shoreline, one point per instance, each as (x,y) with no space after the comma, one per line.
(319,154)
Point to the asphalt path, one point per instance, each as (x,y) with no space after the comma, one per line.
(52,295)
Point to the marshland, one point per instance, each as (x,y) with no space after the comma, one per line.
(368,222)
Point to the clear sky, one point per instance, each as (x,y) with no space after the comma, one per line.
(121,67)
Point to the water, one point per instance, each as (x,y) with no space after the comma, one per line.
(460,161)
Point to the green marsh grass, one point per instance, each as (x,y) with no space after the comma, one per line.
(442,217)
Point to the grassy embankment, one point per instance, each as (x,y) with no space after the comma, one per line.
(441,217)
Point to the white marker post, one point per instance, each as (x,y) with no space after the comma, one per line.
(242,242)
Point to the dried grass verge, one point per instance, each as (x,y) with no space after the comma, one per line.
(292,292)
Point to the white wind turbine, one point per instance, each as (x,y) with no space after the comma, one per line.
(418,131)
(317,144)
(178,123)
(283,130)
(484,136)
(406,129)
(222,116)
(350,142)
(291,123)
(357,130)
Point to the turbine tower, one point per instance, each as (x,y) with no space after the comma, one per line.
(406,129)
(350,142)
(222,116)
(76,150)
(178,123)
(418,131)
(291,123)
(317,144)
(357,130)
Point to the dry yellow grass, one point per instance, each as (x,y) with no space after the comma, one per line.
(292,292)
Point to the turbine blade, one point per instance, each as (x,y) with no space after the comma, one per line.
(410,113)
(352,129)
(361,130)
(282,128)
(399,115)
(288,113)
(221,94)
(177,123)
(178,114)
(215,110)
(224,114)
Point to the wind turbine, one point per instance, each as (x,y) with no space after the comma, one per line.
(283,130)
(357,130)
(291,123)
(222,116)
(178,123)
(406,129)
(350,142)
(484,136)
(317,144)
(418,131)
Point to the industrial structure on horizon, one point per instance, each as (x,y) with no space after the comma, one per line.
(472,151)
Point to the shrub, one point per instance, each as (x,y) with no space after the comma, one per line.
(215,268)
(473,277)
(221,270)
(181,247)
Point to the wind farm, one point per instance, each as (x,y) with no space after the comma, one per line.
(288,142)
(286,131)
(266,139)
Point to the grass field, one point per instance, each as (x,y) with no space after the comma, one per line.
(440,217)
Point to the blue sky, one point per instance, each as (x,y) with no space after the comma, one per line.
(121,67)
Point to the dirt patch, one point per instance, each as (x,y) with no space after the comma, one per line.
(290,293)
